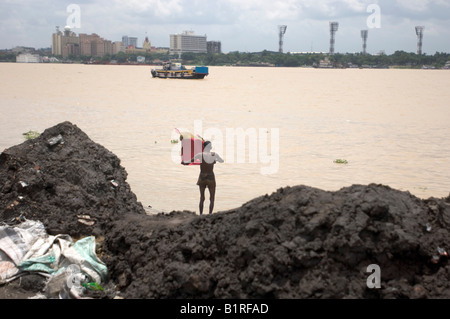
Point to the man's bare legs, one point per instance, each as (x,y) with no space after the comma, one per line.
(202,198)
(212,195)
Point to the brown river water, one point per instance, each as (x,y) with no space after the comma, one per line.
(274,127)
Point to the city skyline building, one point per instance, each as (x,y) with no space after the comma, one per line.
(214,47)
(68,43)
(56,42)
(130,41)
(118,46)
(94,45)
(147,45)
(28,58)
(65,43)
(187,42)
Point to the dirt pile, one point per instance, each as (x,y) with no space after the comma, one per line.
(299,242)
(64,179)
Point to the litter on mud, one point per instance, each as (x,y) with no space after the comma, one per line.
(26,248)
(55,140)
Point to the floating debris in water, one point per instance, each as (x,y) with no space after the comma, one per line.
(340,161)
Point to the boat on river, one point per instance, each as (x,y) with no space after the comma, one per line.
(172,70)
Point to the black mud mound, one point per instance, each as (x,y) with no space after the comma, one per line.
(299,242)
(64,179)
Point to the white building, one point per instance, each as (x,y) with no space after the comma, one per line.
(28,58)
(187,42)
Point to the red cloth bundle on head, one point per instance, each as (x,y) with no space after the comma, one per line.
(191,145)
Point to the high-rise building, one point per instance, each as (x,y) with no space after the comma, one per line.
(214,47)
(130,41)
(56,42)
(68,43)
(94,45)
(65,43)
(118,46)
(85,44)
(187,42)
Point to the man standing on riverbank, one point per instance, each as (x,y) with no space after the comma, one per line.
(206,177)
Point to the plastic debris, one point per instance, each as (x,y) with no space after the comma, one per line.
(86,220)
(428,227)
(55,140)
(27,248)
(23,184)
(92,286)
(435,259)
(31,135)
(442,251)
(114,183)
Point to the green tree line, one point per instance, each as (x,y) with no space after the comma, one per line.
(399,58)
(7,57)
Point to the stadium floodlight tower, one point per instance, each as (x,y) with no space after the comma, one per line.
(333,28)
(364,35)
(282,29)
(419,33)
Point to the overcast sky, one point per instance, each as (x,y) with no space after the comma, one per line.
(241,25)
